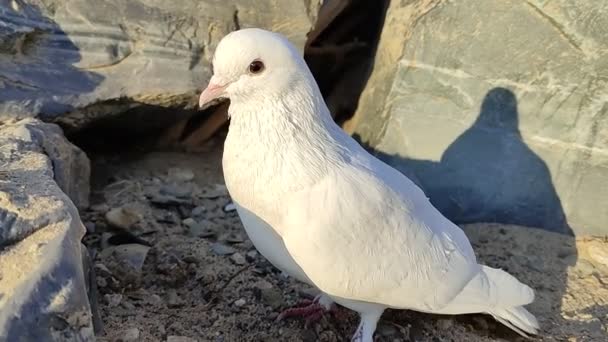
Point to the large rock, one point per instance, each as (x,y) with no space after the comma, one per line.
(61,56)
(43,292)
(498,108)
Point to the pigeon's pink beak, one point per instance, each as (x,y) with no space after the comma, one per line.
(213,91)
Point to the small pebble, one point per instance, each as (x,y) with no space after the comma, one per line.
(130,335)
(238,259)
(176,190)
(261,271)
(203,229)
(113,299)
(162,330)
(221,249)
(189,222)
(198,211)
(445,324)
(100,208)
(173,299)
(218,190)
(123,217)
(155,299)
(229,207)
(268,294)
(128,305)
(163,200)
(206,276)
(125,262)
(251,255)
(180,175)
(239,302)
(235,238)
(189,258)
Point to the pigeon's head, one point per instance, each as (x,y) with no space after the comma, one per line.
(253,64)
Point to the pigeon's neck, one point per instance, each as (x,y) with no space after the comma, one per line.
(279,122)
(278,145)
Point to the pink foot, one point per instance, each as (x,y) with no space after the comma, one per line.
(311,310)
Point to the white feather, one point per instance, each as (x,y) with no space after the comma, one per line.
(322,209)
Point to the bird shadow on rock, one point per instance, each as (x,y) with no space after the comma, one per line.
(38,70)
(489,175)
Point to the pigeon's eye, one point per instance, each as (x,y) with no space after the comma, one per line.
(256,67)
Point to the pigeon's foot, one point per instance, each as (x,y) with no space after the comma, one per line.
(311,310)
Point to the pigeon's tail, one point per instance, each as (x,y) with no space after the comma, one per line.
(518,319)
(499,294)
(512,295)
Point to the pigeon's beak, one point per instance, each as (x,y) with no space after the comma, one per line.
(213,91)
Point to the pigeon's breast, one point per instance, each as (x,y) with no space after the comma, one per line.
(261,173)
(253,181)
(270,244)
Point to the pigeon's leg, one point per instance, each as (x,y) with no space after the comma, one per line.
(312,311)
(367,327)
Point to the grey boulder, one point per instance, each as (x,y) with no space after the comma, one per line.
(498,109)
(76,61)
(43,287)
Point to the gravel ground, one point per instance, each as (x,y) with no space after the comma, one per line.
(173,263)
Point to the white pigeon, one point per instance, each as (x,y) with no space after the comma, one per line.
(325,211)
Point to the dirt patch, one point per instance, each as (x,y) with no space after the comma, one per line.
(174,264)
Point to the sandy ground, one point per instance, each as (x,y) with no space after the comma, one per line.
(201,279)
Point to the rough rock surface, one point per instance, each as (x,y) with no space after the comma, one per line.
(500,113)
(43,292)
(60,56)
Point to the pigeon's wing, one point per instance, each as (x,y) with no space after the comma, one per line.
(370,234)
